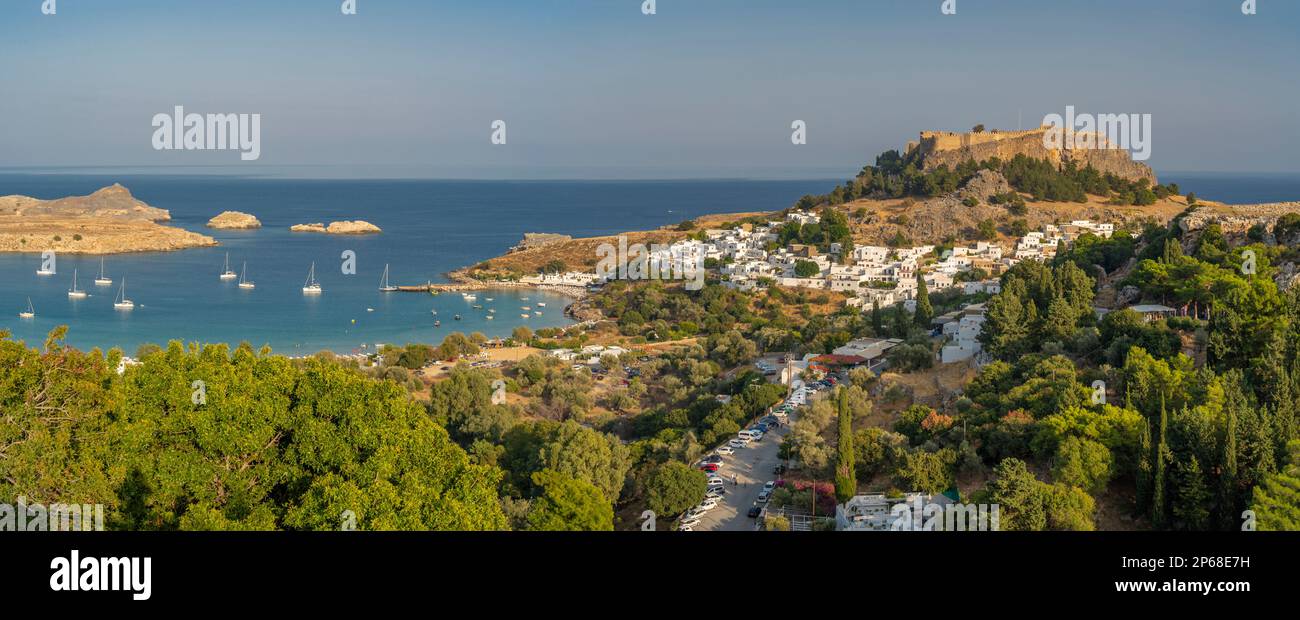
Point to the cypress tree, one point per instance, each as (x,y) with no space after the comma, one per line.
(1144,469)
(877,319)
(846,481)
(1228,473)
(1158,483)
(924,311)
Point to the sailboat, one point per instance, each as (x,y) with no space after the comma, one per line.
(103,279)
(243,281)
(541,303)
(30,312)
(74,292)
(226,273)
(121,302)
(311,286)
(383,284)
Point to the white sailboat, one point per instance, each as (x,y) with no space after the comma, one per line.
(541,303)
(30,312)
(74,292)
(311,286)
(121,302)
(226,273)
(103,279)
(42,271)
(244,282)
(383,284)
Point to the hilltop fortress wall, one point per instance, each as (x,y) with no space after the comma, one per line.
(939,148)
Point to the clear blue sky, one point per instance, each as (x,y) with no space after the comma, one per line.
(595,89)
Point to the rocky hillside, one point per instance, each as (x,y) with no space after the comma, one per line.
(108,221)
(939,148)
(112,202)
(916,221)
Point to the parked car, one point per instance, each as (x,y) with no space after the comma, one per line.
(717,492)
(737,443)
(754,511)
(689,522)
(715,480)
(725,450)
(708,504)
(764,496)
(712,458)
(685,528)
(771,484)
(709,467)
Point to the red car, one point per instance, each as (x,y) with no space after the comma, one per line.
(709,467)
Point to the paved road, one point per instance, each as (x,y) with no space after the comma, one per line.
(753,465)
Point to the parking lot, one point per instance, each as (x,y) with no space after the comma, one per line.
(751,466)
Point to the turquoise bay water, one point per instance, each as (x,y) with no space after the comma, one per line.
(430,227)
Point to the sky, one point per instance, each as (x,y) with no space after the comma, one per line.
(596,89)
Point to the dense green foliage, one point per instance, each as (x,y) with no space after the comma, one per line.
(897,176)
(262,443)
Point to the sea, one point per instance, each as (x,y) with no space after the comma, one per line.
(430,227)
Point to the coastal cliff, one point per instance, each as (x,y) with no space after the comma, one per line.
(108,221)
(357,227)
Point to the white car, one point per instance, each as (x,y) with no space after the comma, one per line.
(725,450)
(738,443)
(715,491)
(764,496)
(689,521)
(708,504)
(715,481)
(771,484)
(685,528)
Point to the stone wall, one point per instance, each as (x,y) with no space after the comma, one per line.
(942,148)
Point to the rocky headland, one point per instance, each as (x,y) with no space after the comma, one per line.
(108,221)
